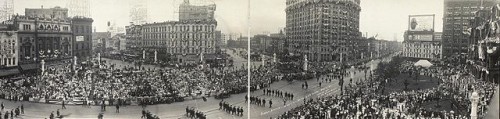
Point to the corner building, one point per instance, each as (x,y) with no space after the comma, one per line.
(184,40)
(324,30)
(457,17)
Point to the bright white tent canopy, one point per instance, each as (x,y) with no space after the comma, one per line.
(423,63)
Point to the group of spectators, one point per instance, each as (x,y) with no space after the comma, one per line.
(449,99)
(90,84)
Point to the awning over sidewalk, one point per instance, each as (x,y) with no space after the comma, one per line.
(25,67)
(7,72)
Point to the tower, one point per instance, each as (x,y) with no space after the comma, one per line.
(6,10)
(79,8)
(138,11)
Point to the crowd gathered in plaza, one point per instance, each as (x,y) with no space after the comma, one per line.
(91,84)
(371,99)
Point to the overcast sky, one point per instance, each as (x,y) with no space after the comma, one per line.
(386,18)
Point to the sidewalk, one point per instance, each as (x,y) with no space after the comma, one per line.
(493,107)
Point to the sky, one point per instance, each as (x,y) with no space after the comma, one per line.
(387,18)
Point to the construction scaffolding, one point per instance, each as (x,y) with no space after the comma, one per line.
(79,8)
(6,10)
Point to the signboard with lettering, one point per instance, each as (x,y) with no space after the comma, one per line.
(420,37)
(80,38)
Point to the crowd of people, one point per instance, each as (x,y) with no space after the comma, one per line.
(90,84)
(449,99)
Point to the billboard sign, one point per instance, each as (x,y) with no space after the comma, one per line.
(421,23)
(79,38)
(420,37)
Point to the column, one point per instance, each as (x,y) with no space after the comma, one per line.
(201,57)
(474,100)
(274,57)
(305,63)
(156,56)
(143,54)
(43,66)
(341,58)
(99,59)
(263,60)
(74,62)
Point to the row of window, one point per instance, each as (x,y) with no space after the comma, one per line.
(178,35)
(421,50)
(178,43)
(205,28)
(51,27)
(418,55)
(190,50)
(8,61)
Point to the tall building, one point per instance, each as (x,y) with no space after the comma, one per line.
(324,30)
(82,33)
(50,36)
(188,11)
(485,52)
(139,11)
(420,40)
(277,43)
(184,40)
(9,49)
(457,15)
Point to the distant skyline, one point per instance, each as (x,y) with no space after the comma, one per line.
(386,18)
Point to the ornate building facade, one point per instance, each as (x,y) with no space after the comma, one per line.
(324,30)
(189,37)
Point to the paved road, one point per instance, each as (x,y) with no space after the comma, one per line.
(177,110)
(314,91)
(493,112)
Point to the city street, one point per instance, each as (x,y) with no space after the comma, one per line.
(177,110)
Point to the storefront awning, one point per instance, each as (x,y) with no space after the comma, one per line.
(7,72)
(25,67)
